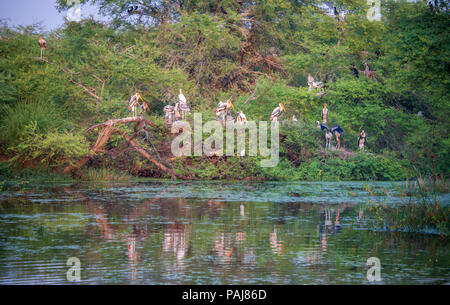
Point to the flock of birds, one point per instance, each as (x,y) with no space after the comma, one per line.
(223,113)
(337,131)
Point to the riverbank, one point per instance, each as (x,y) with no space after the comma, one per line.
(331,166)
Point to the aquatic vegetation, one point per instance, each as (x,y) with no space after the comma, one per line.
(206,232)
(420,210)
(104,174)
(12,179)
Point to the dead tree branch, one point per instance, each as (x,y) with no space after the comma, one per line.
(107,131)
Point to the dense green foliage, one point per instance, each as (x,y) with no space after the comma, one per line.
(260,54)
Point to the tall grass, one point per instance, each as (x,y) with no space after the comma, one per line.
(14,118)
(421,211)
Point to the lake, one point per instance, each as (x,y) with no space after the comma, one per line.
(170,232)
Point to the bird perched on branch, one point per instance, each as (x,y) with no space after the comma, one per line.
(361,140)
(324,113)
(337,130)
(170,114)
(144,107)
(368,73)
(182,105)
(43,45)
(276,112)
(241,118)
(340,16)
(328,134)
(354,71)
(312,84)
(131,9)
(134,103)
(182,98)
(222,110)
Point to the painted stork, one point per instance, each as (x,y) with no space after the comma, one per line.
(144,107)
(276,112)
(241,118)
(328,134)
(361,140)
(183,107)
(368,73)
(182,98)
(222,110)
(43,45)
(313,84)
(324,113)
(134,103)
(337,130)
(169,110)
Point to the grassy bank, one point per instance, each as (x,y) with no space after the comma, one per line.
(420,211)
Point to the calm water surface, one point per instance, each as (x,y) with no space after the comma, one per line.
(163,232)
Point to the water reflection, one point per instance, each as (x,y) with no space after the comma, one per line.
(275,243)
(196,241)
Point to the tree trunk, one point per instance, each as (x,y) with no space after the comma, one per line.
(107,131)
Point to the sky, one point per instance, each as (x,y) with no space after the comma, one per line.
(27,12)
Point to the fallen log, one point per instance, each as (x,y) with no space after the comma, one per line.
(107,131)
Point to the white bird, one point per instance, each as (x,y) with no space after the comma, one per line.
(222,110)
(182,98)
(183,107)
(276,112)
(313,84)
(241,118)
(170,114)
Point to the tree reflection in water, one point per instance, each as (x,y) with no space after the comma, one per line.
(164,239)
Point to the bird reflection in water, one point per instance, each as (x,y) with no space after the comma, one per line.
(224,248)
(329,227)
(275,244)
(240,236)
(175,241)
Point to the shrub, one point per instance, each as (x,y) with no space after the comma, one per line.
(14,119)
(52,149)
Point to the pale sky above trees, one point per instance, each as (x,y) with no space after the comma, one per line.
(27,12)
